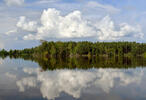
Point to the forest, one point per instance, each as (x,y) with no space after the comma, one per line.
(84,48)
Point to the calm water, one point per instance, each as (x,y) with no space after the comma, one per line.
(28,80)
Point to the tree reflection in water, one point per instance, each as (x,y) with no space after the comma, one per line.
(86,63)
(77,76)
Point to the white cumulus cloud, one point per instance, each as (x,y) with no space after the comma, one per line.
(14,2)
(28,26)
(110,31)
(73,25)
(53,25)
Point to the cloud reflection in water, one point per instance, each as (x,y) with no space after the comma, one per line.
(74,82)
(1,61)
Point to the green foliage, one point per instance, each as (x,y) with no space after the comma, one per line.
(3,53)
(56,55)
(84,48)
(53,51)
(144,55)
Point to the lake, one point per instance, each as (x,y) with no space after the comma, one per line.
(119,78)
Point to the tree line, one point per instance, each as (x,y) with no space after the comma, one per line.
(85,48)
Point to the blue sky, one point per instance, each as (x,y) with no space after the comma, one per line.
(24,22)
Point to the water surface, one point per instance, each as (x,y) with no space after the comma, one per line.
(46,80)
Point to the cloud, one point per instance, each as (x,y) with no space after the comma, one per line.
(53,25)
(108,8)
(53,83)
(110,31)
(11,31)
(73,25)
(28,26)
(45,1)
(14,2)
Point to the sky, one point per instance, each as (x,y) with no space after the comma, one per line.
(23,23)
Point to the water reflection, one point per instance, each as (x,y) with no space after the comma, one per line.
(10,75)
(76,82)
(86,62)
(1,61)
(25,80)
